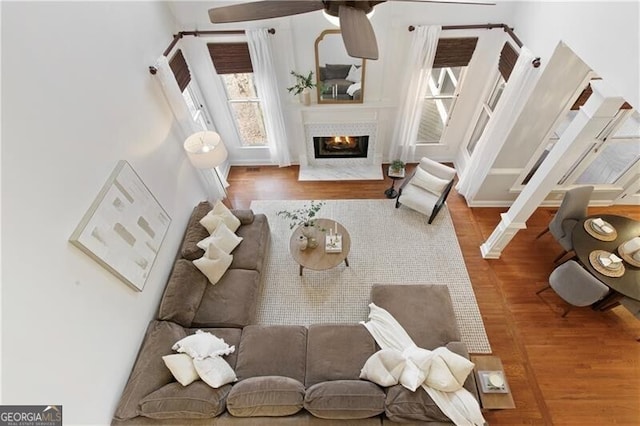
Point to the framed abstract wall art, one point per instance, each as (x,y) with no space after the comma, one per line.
(124,227)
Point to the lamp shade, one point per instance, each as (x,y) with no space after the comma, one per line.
(205,150)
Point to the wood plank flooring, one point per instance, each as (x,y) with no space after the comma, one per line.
(580,370)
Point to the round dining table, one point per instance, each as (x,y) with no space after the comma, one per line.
(583,244)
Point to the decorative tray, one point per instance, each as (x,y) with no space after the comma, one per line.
(599,232)
(613,270)
(492,381)
(333,243)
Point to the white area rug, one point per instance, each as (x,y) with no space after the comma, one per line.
(388,246)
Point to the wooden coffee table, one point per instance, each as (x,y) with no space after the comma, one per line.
(316,258)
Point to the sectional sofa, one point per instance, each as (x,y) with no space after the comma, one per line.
(287,374)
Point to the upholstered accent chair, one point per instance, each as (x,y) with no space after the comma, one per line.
(572,209)
(575,285)
(426,190)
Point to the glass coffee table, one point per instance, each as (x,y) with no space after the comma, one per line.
(317,258)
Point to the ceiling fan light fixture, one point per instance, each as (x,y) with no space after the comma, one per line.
(335,21)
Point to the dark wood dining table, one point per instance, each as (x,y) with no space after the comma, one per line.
(583,244)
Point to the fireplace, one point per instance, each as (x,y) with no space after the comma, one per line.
(340,146)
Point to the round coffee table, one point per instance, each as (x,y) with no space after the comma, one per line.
(316,258)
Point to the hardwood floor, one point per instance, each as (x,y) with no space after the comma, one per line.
(580,370)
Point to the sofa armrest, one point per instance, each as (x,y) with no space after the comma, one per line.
(245,216)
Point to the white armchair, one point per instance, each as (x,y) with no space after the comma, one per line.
(426,190)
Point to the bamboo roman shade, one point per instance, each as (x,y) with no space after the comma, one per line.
(230,58)
(508,59)
(454,52)
(180,69)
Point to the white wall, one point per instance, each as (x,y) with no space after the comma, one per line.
(77,97)
(604,34)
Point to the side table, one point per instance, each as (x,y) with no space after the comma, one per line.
(492,401)
(391,192)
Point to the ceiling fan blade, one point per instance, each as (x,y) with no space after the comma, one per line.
(472,2)
(262,10)
(357,33)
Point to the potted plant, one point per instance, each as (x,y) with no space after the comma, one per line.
(396,168)
(303,216)
(302,86)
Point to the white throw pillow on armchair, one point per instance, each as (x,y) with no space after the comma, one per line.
(429,182)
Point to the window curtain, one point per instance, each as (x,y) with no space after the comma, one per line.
(422,52)
(515,95)
(264,73)
(186,124)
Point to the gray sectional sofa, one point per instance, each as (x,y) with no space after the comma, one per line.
(287,374)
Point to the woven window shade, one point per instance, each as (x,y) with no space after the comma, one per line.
(230,58)
(180,69)
(508,59)
(454,52)
(584,96)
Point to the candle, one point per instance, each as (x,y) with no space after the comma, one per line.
(336,228)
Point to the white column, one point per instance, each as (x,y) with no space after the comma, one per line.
(592,118)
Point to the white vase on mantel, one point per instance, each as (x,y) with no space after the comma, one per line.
(305,97)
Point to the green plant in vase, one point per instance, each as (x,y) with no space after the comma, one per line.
(397,166)
(305,218)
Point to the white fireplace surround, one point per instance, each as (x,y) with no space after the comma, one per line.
(312,168)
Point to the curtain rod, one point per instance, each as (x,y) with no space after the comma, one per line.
(176,37)
(505,27)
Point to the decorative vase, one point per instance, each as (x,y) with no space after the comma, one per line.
(302,242)
(305,97)
(309,231)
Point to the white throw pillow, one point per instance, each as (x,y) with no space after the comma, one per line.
(223,238)
(384,367)
(214,263)
(355,74)
(429,182)
(214,371)
(181,366)
(201,345)
(211,222)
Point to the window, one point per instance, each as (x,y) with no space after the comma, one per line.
(442,92)
(449,64)
(233,64)
(485,113)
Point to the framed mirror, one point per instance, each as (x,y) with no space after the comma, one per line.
(340,77)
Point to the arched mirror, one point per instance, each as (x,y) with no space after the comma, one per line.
(340,77)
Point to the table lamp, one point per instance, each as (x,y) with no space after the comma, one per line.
(206,151)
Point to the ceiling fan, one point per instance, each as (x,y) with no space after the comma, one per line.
(357,32)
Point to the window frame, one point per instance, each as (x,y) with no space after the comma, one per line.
(254,100)
(484,107)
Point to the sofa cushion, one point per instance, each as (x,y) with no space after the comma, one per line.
(337,352)
(424,311)
(251,252)
(231,302)
(183,294)
(195,232)
(266,396)
(344,399)
(402,405)
(336,71)
(196,401)
(275,350)
(149,372)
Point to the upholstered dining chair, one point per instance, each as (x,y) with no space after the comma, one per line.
(575,285)
(572,209)
(632,306)
(426,190)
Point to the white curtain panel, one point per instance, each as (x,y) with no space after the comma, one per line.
(422,52)
(186,124)
(513,99)
(264,73)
